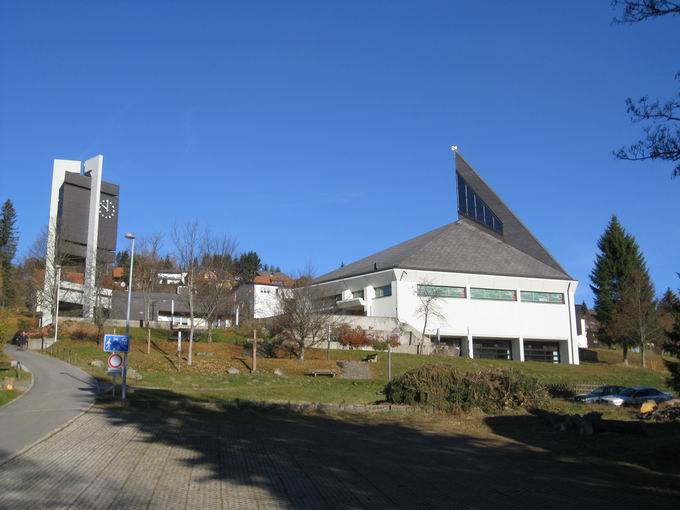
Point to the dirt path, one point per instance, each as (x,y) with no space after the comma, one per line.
(354,370)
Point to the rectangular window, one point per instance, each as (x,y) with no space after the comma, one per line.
(493,294)
(441,291)
(358,294)
(383,291)
(542,297)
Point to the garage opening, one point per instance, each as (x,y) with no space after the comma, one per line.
(538,350)
(492,349)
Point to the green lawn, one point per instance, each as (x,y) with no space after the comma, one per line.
(9,395)
(208,377)
(586,373)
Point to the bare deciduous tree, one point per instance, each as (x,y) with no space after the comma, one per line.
(636,316)
(145,278)
(213,285)
(429,307)
(304,317)
(41,274)
(187,239)
(661,119)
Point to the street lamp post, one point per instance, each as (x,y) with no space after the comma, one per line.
(127,317)
(56,309)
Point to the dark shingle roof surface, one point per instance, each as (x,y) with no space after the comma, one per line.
(466,246)
(460,247)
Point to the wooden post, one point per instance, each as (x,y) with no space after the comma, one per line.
(328,349)
(148,341)
(389,362)
(254,367)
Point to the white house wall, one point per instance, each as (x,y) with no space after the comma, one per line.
(474,318)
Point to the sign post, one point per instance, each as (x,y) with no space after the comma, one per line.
(117,364)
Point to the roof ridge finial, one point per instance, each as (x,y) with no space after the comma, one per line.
(454,148)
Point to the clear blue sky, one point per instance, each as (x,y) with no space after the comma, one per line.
(319,131)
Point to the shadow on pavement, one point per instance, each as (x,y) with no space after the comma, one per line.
(651,445)
(312,460)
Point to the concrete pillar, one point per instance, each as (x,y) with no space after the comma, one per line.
(93,167)
(369,295)
(517,347)
(59,169)
(469,352)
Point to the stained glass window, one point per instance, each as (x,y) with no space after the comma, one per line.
(495,294)
(542,297)
(441,291)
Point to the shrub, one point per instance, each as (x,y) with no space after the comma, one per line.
(353,337)
(25,324)
(5,331)
(79,330)
(380,345)
(448,389)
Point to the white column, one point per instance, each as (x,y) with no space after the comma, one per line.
(93,166)
(59,169)
(369,295)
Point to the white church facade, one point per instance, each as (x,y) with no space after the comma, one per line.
(495,291)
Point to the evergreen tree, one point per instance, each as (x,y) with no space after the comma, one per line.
(9,239)
(619,258)
(248,265)
(671,303)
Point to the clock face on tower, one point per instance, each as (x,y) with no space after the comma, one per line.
(107,209)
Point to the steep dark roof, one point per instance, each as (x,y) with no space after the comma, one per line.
(515,233)
(465,246)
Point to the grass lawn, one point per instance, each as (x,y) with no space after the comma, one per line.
(208,377)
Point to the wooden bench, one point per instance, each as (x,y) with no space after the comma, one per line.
(371,358)
(8,365)
(321,371)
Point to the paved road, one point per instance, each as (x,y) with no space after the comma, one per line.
(232,459)
(60,392)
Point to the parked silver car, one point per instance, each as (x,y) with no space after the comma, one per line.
(596,395)
(636,396)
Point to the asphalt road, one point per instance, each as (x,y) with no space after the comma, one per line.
(60,392)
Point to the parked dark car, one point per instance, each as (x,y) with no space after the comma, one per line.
(636,396)
(595,396)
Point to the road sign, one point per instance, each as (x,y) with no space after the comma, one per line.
(115,361)
(116,343)
(114,371)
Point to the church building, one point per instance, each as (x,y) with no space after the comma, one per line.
(494,290)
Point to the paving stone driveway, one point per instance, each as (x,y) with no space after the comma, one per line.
(267,459)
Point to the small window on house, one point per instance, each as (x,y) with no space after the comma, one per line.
(441,291)
(493,294)
(542,297)
(358,294)
(383,291)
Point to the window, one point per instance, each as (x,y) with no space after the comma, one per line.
(358,294)
(383,291)
(494,294)
(492,349)
(542,351)
(475,208)
(441,291)
(542,297)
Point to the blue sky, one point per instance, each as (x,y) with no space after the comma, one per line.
(319,132)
